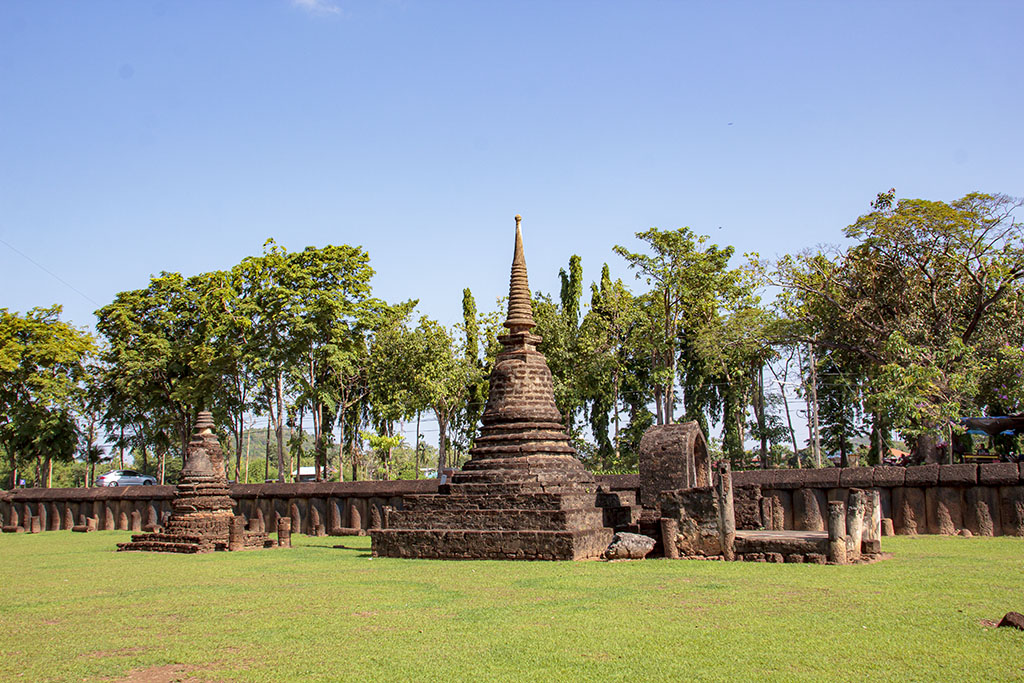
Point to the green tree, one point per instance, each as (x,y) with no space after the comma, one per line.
(43,369)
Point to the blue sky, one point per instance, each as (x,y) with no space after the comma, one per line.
(141,136)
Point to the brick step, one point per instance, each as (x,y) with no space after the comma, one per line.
(159,547)
(490,545)
(579,518)
(517,488)
(523,501)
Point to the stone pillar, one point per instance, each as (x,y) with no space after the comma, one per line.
(108,518)
(872,522)
(315,527)
(726,511)
(981,510)
(136,520)
(41,513)
(122,521)
(284,532)
(1011,510)
(355,520)
(909,514)
(152,521)
(854,524)
(669,531)
(14,520)
(69,519)
(375,521)
(236,533)
(887,527)
(53,518)
(766,513)
(807,510)
(333,517)
(92,523)
(836,532)
(261,522)
(296,518)
(36,526)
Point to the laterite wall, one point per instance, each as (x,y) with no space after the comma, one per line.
(987,500)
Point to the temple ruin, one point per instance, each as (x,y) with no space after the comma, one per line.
(202,519)
(523,494)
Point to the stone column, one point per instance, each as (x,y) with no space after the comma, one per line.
(355,520)
(669,531)
(122,521)
(375,521)
(92,523)
(284,532)
(854,524)
(296,518)
(766,512)
(36,526)
(108,518)
(333,516)
(69,519)
(873,522)
(53,523)
(136,520)
(726,512)
(315,527)
(836,532)
(236,533)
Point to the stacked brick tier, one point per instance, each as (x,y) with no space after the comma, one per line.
(523,494)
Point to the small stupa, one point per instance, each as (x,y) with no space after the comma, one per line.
(202,507)
(523,494)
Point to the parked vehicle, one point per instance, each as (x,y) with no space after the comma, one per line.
(124,478)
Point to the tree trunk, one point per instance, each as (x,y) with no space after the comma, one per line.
(48,467)
(162,461)
(417,459)
(442,441)
(298,448)
(279,426)
(789,422)
(760,418)
(615,408)
(341,440)
(248,442)
(120,446)
(240,430)
(266,468)
(815,432)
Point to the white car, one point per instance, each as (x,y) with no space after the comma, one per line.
(124,478)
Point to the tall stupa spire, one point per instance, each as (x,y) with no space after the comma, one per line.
(520,311)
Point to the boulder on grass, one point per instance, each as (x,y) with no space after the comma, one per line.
(629,547)
(1013,619)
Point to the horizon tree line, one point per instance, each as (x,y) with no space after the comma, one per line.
(913,325)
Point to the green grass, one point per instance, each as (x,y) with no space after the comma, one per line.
(72,609)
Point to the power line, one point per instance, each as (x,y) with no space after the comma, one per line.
(50,273)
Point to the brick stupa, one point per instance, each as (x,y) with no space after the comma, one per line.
(523,494)
(202,505)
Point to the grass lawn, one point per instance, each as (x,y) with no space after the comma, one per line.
(72,609)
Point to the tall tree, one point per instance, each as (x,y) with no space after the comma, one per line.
(42,386)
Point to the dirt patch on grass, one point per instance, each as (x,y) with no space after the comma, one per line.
(121,652)
(168,673)
(989,623)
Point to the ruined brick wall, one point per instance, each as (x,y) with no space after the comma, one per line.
(337,504)
(987,500)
